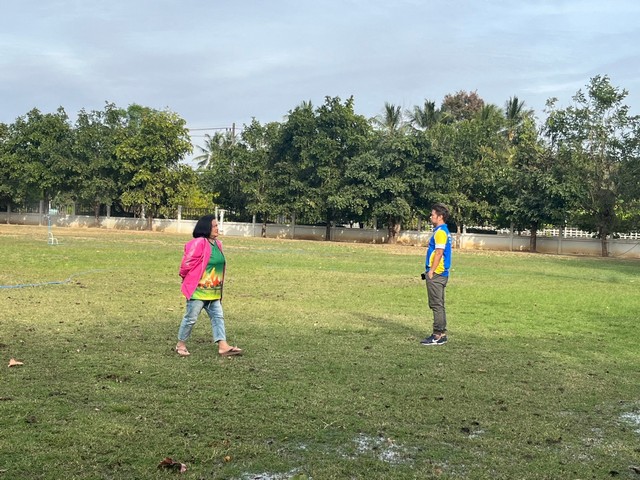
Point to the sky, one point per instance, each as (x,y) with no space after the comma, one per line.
(218,63)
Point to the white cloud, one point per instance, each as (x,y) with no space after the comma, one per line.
(219,62)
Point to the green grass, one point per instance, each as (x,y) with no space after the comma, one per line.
(540,379)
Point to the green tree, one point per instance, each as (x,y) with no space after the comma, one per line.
(597,137)
(222,180)
(342,135)
(96,136)
(239,176)
(310,157)
(361,186)
(399,177)
(291,164)
(259,140)
(533,191)
(470,155)
(37,160)
(150,150)
(6,189)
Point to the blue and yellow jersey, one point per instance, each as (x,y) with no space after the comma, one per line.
(441,239)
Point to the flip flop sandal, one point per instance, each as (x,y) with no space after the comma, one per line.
(183,352)
(232,351)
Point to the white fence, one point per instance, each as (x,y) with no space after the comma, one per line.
(571,232)
(569,243)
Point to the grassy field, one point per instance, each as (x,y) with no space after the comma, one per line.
(540,378)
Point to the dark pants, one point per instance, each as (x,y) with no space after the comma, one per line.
(435,293)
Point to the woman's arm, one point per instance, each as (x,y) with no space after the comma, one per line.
(191,257)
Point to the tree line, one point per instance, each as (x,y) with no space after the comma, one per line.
(491,165)
(129,158)
(327,164)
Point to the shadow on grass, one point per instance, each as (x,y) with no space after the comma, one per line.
(394,327)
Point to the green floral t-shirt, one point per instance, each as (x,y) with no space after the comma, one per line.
(210,285)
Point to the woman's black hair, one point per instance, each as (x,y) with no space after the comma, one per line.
(203,227)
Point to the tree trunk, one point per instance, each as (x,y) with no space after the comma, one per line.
(533,239)
(293,225)
(327,235)
(393,228)
(604,242)
(96,210)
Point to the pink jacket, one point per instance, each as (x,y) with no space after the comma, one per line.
(197,253)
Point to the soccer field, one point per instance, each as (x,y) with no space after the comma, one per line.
(540,378)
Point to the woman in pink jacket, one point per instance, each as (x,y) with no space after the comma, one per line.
(202,271)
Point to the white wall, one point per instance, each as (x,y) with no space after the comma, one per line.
(552,245)
(503,242)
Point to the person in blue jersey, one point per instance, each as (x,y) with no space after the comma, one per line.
(437,265)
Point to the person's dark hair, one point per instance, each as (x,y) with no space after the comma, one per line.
(203,226)
(441,209)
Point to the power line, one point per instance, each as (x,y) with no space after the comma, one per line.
(209,128)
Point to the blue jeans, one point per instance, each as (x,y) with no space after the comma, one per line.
(213,309)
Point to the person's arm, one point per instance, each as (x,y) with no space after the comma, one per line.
(440,240)
(437,256)
(192,254)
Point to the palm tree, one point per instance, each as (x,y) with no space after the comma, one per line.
(489,111)
(515,113)
(214,144)
(424,117)
(391,119)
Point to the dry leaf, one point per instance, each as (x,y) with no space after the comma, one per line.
(14,363)
(170,464)
(227,458)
